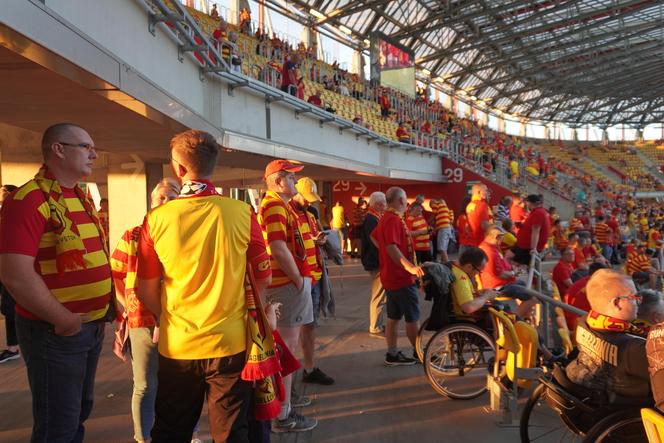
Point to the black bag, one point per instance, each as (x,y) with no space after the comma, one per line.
(235,60)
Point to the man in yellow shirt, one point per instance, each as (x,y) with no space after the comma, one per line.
(467,295)
(338,223)
(198,248)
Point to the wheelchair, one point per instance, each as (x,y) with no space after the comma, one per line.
(561,411)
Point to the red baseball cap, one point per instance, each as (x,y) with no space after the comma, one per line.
(281,165)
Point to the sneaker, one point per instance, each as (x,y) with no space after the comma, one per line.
(294,423)
(317,376)
(398,360)
(7,355)
(298,401)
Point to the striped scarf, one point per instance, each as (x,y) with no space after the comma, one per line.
(69,247)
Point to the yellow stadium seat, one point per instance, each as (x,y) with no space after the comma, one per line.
(516,345)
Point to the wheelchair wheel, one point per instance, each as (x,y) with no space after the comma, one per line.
(540,423)
(457,361)
(620,427)
(423,337)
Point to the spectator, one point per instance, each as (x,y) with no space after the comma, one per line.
(577,297)
(142,324)
(313,240)
(443,227)
(612,358)
(338,223)
(236,58)
(419,231)
(466,297)
(291,285)
(518,212)
(203,337)
(369,252)
(562,272)
(245,21)
(651,309)
(358,120)
(604,236)
(638,265)
(463,229)
(359,212)
(327,83)
(402,134)
(534,233)
(397,275)
(214,13)
(503,211)
(300,88)
(289,74)
(498,272)
(385,105)
(44,257)
(8,305)
(478,213)
(343,90)
(315,99)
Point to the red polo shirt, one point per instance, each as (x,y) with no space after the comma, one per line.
(495,265)
(561,272)
(478,211)
(390,231)
(576,296)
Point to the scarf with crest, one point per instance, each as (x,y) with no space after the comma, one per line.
(267,357)
(69,247)
(409,240)
(603,322)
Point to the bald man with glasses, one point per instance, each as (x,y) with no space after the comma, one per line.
(612,350)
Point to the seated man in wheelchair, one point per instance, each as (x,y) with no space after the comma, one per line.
(467,296)
(611,349)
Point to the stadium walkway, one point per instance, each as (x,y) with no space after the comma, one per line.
(368,402)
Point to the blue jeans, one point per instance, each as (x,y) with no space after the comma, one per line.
(144,366)
(61,373)
(607,251)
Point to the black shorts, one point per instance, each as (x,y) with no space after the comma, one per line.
(403,302)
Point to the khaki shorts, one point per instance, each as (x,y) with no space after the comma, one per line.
(296,306)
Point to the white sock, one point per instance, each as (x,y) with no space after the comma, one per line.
(285,410)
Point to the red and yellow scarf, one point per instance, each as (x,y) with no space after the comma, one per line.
(603,322)
(69,247)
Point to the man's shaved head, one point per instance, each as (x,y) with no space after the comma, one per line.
(57,133)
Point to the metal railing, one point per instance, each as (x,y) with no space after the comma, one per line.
(194,44)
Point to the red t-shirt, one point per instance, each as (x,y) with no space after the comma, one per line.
(316,101)
(561,272)
(390,231)
(495,265)
(462,228)
(538,217)
(576,296)
(285,78)
(518,214)
(477,211)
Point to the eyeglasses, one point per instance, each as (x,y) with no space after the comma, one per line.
(479,271)
(637,298)
(87,146)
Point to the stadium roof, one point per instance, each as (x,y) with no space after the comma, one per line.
(578,62)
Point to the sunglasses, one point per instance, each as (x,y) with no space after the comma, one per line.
(637,298)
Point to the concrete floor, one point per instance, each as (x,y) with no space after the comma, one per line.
(368,403)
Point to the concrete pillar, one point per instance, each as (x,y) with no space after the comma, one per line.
(639,134)
(234,12)
(547,133)
(127,195)
(522,129)
(20,154)
(605,136)
(575,134)
(358,64)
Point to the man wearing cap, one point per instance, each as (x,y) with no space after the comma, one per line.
(313,239)
(534,233)
(291,275)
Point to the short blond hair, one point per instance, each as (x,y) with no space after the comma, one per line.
(604,286)
(166,184)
